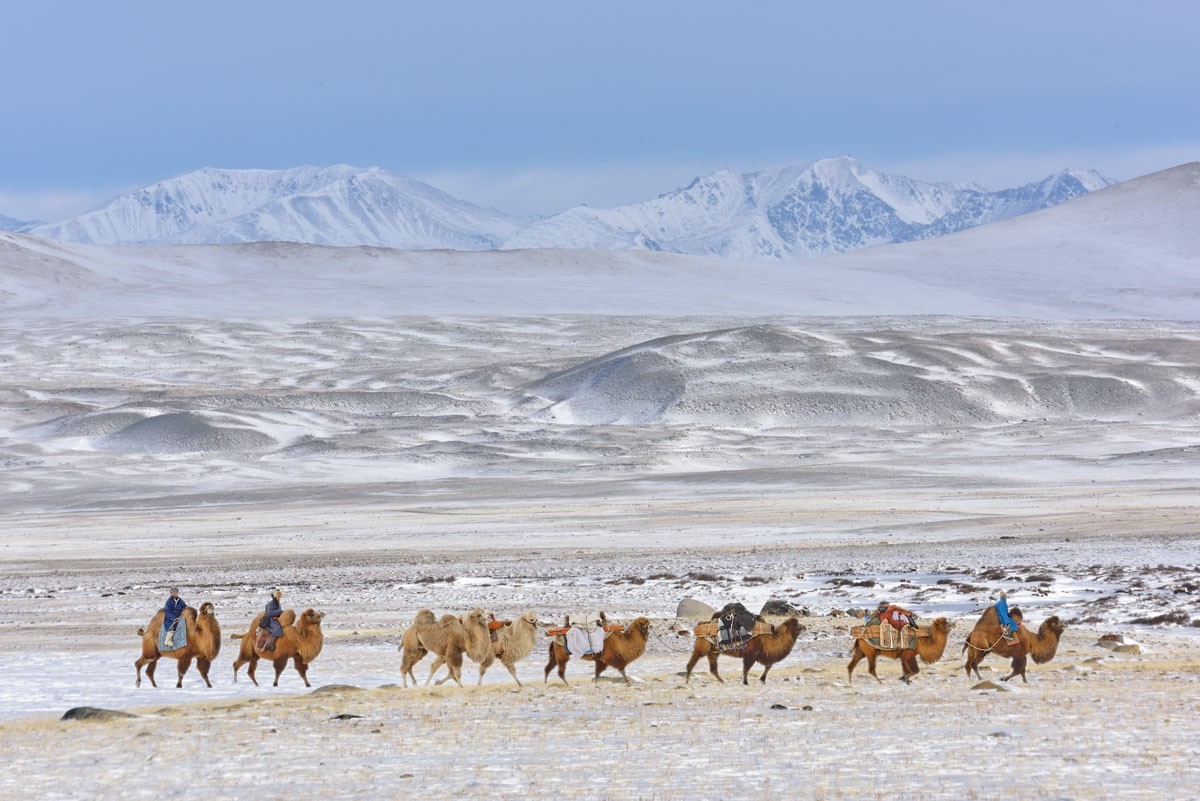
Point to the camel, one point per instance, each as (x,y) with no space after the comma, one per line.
(472,639)
(620,649)
(301,642)
(435,637)
(246,649)
(986,638)
(929,648)
(515,641)
(203,644)
(411,650)
(766,649)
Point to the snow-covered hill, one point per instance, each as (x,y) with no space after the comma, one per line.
(341,206)
(818,208)
(1131,250)
(814,209)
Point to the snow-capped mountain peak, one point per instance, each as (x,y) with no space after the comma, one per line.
(339,205)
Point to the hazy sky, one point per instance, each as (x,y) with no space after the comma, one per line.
(535,106)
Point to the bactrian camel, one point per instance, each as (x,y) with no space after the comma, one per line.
(203,644)
(929,647)
(765,649)
(987,638)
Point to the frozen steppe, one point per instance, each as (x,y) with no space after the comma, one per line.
(376,432)
(374,467)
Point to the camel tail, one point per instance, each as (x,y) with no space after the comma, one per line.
(236,636)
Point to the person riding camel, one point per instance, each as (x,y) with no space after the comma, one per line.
(1006,622)
(270,619)
(172,609)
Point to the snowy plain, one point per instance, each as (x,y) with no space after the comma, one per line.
(1011,408)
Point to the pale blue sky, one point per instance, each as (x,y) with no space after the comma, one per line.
(536,106)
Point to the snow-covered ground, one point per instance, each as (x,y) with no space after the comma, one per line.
(372,467)
(379,432)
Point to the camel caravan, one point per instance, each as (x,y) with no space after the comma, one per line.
(281,636)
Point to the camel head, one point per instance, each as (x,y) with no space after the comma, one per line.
(477,617)
(312,617)
(641,625)
(530,618)
(1054,624)
(207,609)
(792,626)
(943,625)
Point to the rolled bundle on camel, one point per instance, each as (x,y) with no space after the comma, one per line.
(765,648)
(301,642)
(246,648)
(928,643)
(621,648)
(203,635)
(988,638)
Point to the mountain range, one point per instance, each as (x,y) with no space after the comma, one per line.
(1128,251)
(813,209)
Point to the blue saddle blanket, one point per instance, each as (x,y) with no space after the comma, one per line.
(178,638)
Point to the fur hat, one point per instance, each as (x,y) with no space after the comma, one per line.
(1003,594)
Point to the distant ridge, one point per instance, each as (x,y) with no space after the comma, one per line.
(813,209)
(1128,251)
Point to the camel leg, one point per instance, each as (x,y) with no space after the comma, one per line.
(908,663)
(482,669)
(253,665)
(151,666)
(712,665)
(1018,668)
(185,662)
(747,663)
(203,665)
(763,677)
(558,660)
(695,657)
(144,660)
(513,671)
(871,666)
(437,663)
(279,665)
(600,668)
(973,660)
(301,668)
(856,656)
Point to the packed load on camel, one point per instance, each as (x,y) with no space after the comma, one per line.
(606,644)
(732,627)
(583,635)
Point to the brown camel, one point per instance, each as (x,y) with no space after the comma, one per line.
(411,650)
(515,641)
(929,647)
(301,642)
(435,638)
(765,649)
(620,649)
(203,644)
(246,649)
(474,640)
(986,638)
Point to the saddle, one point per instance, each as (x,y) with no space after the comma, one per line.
(261,638)
(887,637)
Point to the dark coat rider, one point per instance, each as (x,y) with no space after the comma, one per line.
(173,608)
(270,619)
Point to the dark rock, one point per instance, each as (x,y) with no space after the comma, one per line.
(778,608)
(94,713)
(345,716)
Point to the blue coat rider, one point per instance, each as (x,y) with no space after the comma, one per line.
(1010,625)
(172,609)
(270,619)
